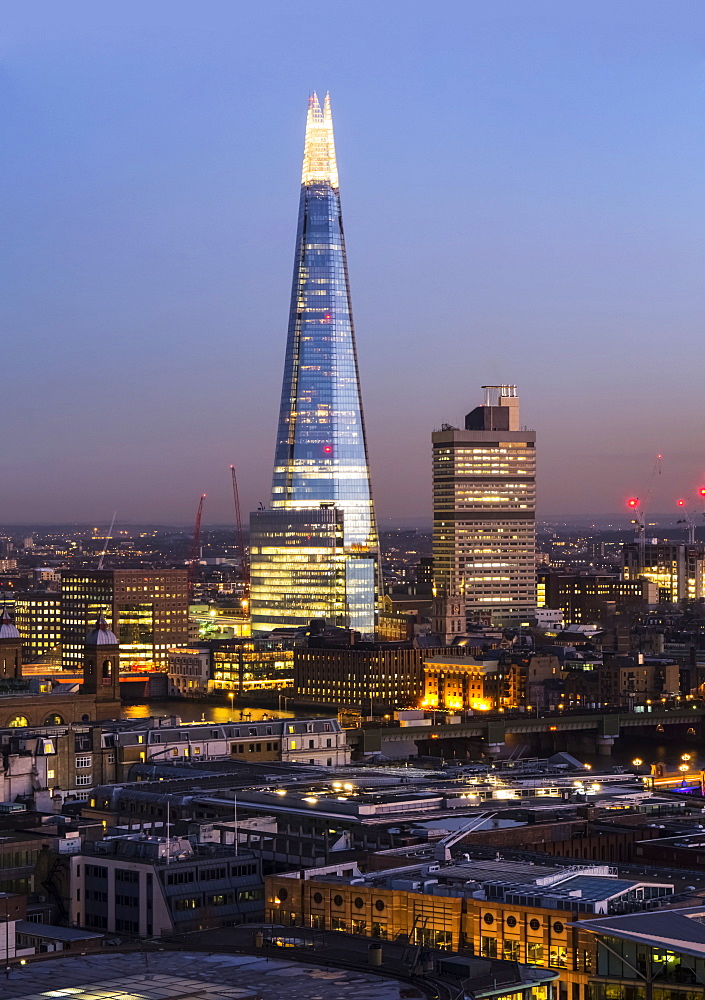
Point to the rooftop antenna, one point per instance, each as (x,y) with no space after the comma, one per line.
(107,540)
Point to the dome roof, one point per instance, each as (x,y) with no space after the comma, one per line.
(8,630)
(101,634)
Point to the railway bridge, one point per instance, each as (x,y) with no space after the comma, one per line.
(577,731)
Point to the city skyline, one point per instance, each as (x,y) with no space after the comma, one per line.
(147,253)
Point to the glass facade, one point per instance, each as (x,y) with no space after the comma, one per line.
(298,567)
(321,453)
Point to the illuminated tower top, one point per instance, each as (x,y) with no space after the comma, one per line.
(319,150)
(321,454)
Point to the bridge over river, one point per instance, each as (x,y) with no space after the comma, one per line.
(587,732)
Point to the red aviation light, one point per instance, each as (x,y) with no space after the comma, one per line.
(632,502)
(702,492)
(681,503)
(327,448)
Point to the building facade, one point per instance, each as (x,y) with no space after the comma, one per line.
(367,680)
(484,498)
(236,667)
(36,701)
(149,886)
(495,910)
(147,609)
(584,599)
(315,553)
(304,741)
(676,568)
(38,620)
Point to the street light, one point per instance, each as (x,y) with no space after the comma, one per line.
(684,767)
(685,756)
(231,696)
(637,762)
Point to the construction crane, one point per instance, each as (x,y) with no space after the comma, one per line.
(244,558)
(195,548)
(687,520)
(640,526)
(639,510)
(107,541)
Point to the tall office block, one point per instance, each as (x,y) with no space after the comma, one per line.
(38,619)
(484,496)
(315,553)
(147,609)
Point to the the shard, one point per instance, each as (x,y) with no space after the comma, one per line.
(315,553)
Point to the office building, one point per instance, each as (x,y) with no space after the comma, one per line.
(146,608)
(236,666)
(38,620)
(494,909)
(315,553)
(379,678)
(149,886)
(676,568)
(585,599)
(484,496)
(649,956)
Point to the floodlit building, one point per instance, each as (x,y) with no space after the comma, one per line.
(484,499)
(378,678)
(315,553)
(494,909)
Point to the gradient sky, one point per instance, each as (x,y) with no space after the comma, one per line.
(523,189)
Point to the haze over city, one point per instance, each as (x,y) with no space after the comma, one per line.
(522,189)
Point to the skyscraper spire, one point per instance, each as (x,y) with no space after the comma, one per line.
(315,554)
(319,149)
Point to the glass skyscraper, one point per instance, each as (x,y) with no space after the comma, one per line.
(315,553)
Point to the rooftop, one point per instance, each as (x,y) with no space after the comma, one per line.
(206,976)
(680,930)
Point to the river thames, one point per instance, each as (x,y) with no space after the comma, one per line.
(624,751)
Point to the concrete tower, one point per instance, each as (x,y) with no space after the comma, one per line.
(484,499)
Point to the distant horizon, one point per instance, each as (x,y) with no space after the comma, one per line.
(390,524)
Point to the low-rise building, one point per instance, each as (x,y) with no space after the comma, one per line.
(588,598)
(305,741)
(500,680)
(190,670)
(649,956)
(492,909)
(371,677)
(149,886)
(235,666)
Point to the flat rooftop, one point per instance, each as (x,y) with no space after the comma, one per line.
(191,976)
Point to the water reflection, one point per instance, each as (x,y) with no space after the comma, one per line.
(198,711)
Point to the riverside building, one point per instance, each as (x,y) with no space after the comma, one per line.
(146,608)
(315,553)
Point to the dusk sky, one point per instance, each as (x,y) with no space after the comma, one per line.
(523,190)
